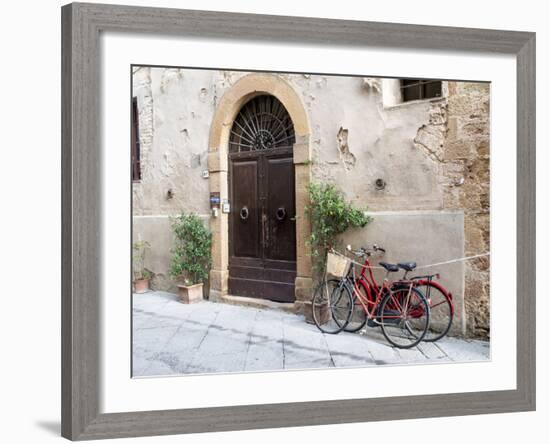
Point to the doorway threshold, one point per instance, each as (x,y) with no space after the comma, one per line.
(289,307)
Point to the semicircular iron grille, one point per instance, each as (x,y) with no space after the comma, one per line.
(263,123)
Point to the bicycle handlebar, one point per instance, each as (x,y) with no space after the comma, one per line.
(365,251)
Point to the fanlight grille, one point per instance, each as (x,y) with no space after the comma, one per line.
(263,123)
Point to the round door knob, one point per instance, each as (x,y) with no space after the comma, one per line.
(280,214)
(244,213)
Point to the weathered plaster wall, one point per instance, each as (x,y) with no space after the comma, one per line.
(176,108)
(378,145)
(431,155)
(174,116)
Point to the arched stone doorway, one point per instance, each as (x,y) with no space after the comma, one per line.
(243,91)
(262,223)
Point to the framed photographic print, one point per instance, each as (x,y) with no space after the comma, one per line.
(271,221)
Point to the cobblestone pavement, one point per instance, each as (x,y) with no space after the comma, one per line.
(171,338)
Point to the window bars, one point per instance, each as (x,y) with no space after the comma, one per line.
(263,123)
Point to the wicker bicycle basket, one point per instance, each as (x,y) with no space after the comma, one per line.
(337,265)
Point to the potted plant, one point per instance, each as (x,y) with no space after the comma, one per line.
(191,256)
(142,276)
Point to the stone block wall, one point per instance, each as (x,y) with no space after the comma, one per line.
(457,139)
(467,147)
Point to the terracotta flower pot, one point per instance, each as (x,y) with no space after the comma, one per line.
(190,294)
(141,285)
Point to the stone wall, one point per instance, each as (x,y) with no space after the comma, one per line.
(457,139)
(468,164)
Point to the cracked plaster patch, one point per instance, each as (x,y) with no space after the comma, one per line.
(346,156)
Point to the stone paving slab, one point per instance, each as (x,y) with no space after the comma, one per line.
(171,338)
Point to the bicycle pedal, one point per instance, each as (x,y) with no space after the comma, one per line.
(373,323)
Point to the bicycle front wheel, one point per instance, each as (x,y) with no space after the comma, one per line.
(404,316)
(332,306)
(358,317)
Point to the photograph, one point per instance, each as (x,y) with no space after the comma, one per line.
(268,222)
(286,221)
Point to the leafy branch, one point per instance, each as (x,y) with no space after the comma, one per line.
(330,215)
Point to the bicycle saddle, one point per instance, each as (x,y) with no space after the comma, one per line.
(389,267)
(407,266)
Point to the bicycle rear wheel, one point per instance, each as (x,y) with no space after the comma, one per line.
(404,317)
(441,311)
(331,306)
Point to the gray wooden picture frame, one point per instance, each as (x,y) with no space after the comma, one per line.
(81,244)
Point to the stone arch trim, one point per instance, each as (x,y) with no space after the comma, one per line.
(244,89)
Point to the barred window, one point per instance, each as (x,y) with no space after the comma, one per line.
(417,89)
(262,123)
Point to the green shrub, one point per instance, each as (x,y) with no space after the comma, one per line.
(138,260)
(330,216)
(191,256)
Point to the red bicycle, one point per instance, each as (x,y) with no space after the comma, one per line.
(439,299)
(401,311)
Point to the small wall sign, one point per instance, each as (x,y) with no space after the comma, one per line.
(226,208)
(215,200)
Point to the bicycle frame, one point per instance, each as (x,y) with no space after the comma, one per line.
(370,285)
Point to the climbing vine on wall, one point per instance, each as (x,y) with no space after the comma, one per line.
(330,215)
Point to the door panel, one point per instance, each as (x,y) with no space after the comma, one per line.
(262,260)
(245,215)
(281,211)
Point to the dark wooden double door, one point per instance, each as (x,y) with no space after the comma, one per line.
(262,225)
